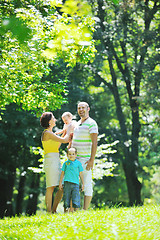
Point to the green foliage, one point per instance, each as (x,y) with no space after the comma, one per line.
(17,136)
(18,131)
(37,151)
(71,37)
(17,27)
(104,167)
(123,223)
(126,65)
(155,186)
(34,35)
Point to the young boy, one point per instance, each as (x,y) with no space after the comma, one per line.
(68,122)
(71,170)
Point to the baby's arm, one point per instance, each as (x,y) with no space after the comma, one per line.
(59,132)
(62,130)
(70,130)
(60,181)
(81,176)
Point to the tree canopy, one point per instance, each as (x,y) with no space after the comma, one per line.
(33,35)
(54,54)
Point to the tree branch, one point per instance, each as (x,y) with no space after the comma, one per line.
(104,81)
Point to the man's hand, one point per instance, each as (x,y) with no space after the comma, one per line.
(70,137)
(82,188)
(89,165)
(60,186)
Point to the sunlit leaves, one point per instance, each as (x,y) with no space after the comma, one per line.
(76,8)
(66,35)
(104,167)
(72,38)
(17,27)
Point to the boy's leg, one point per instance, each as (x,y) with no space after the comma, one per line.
(66,210)
(71,207)
(75,196)
(67,195)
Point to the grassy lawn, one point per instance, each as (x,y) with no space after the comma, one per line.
(116,223)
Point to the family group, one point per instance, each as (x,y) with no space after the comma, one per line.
(81,137)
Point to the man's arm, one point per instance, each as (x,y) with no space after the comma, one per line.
(90,162)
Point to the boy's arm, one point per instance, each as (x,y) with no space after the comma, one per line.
(60,181)
(81,176)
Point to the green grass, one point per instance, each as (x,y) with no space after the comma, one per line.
(116,223)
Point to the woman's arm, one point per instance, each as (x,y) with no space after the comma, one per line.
(64,133)
(50,135)
(59,132)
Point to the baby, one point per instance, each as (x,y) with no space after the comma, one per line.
(68,124)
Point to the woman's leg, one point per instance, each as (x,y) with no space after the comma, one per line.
(57,199)
(48,199)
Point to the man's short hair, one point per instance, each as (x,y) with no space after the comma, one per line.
(84,103)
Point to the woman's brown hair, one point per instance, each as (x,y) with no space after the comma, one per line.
(45,118)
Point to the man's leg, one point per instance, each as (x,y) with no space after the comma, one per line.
(87,201)
(88,188)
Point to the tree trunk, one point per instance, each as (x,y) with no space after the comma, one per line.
(131,156)
(6,194)
(19,202)
(3,199)
(133,184)
(33,196)
(9,192)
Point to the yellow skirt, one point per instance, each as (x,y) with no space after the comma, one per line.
(52,168)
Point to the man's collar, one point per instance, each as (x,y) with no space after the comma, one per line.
(84,120)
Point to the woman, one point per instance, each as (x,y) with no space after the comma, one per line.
(51,143)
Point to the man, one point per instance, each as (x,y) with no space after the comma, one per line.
(85,141)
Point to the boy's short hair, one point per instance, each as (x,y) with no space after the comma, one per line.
(67,114)
(72,148)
